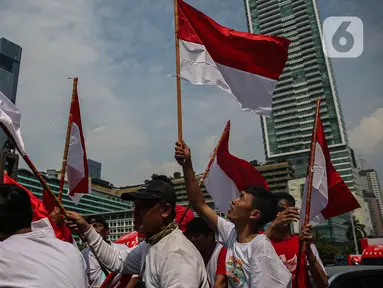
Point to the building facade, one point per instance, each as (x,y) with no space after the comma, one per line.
(101,200)
(369,179)
(307,76)
(374,209)
(10,58)
(94,169)
(277,175)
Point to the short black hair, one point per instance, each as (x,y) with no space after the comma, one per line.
(99,219)
(285,196)
(166,179)
(199,226)
(265,202)
(15,209)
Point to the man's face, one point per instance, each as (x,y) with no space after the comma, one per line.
(284,203)
(100,228)
(148,216)
(200,241)
(241,209)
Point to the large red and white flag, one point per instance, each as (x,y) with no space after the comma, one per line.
(77,163)
(242,64)
(330,196)
(228,175)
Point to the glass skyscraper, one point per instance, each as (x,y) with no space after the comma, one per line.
(307,76)
(10,57)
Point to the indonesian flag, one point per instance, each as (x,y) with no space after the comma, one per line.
(229,175)
(77,164)
(330,195)
(41,211)
(242,64)
(10,117)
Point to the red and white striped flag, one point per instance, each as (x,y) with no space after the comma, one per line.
(77,164)
(330,196)
(243,64)
(229,175)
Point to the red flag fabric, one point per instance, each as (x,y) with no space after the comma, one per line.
(243,64)
(77,164)
(229,175)
(302,278)
(330,195)
(40,211)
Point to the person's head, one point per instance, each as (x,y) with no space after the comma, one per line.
(100,225)
(200,234)
(285,200)
(255,205)
(154,205)
(15,210)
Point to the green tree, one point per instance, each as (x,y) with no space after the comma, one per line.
(359,230)
(327,252)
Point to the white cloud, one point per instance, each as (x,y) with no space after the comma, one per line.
(367,137)
(147,168)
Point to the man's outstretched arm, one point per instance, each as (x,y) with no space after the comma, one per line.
(194,192)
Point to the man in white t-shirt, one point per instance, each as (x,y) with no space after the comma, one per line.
(166,259)
(95,270)
(31,259)
(251,260)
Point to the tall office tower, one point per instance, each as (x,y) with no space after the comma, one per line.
(94,169)
(10,57)
(307,76)
(370,182)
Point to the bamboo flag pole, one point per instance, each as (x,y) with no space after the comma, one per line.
(178,72)
(212,156)
(311,168)
(67,140)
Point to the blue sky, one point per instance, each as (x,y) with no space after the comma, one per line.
(122,52)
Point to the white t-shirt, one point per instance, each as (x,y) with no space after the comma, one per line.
(36,259)
(96,275)
(211,267)
(173,262)
(254,264)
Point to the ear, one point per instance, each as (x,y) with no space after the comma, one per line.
(167,210)
(255,214)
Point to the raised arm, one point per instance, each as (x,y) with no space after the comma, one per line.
(315,266)
(126,260)
(194,192)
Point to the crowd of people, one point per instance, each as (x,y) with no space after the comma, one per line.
(253,247)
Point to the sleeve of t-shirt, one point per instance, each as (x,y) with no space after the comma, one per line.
(127,261)
(221,263)
(225,231)
(186,275)
(316,253)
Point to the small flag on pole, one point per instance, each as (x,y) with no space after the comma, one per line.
(330,195)
(77,164)
(242,64)
(229,175)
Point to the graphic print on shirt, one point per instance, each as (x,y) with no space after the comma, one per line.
(290,264)
(234,272)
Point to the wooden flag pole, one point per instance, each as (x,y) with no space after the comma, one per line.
(310,171)
(67,140)
(212,156)
(178,72)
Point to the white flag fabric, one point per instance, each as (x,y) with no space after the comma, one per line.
(10,119)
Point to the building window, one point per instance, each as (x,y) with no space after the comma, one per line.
(286,10)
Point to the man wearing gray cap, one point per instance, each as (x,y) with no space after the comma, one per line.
(166,258)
